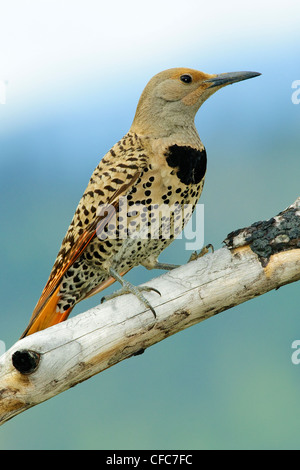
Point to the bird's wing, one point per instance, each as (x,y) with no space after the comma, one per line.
(115,175)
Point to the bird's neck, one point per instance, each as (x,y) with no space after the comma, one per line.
(180,134)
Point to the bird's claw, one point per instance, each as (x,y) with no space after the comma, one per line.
(135,290)
(203,252)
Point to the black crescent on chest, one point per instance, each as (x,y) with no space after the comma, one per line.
(191,163)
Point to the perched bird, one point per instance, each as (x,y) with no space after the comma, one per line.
(160,163)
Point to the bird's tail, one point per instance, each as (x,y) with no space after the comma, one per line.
(47,315)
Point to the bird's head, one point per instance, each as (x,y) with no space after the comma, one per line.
(172,98)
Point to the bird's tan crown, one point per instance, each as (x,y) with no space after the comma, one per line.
(198,76)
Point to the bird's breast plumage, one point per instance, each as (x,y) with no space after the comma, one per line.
(167,181)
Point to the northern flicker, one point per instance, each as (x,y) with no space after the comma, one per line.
(160,162)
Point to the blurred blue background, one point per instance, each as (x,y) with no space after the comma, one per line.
(74,72)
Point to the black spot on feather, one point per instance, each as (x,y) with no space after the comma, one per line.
(191,163)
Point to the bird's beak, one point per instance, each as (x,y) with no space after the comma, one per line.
(223,79)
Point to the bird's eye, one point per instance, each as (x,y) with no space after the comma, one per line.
(186,78)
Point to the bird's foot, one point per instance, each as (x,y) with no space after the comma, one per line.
(203,252)
(128,288)
(165,266)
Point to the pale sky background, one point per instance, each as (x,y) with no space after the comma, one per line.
(44,43)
